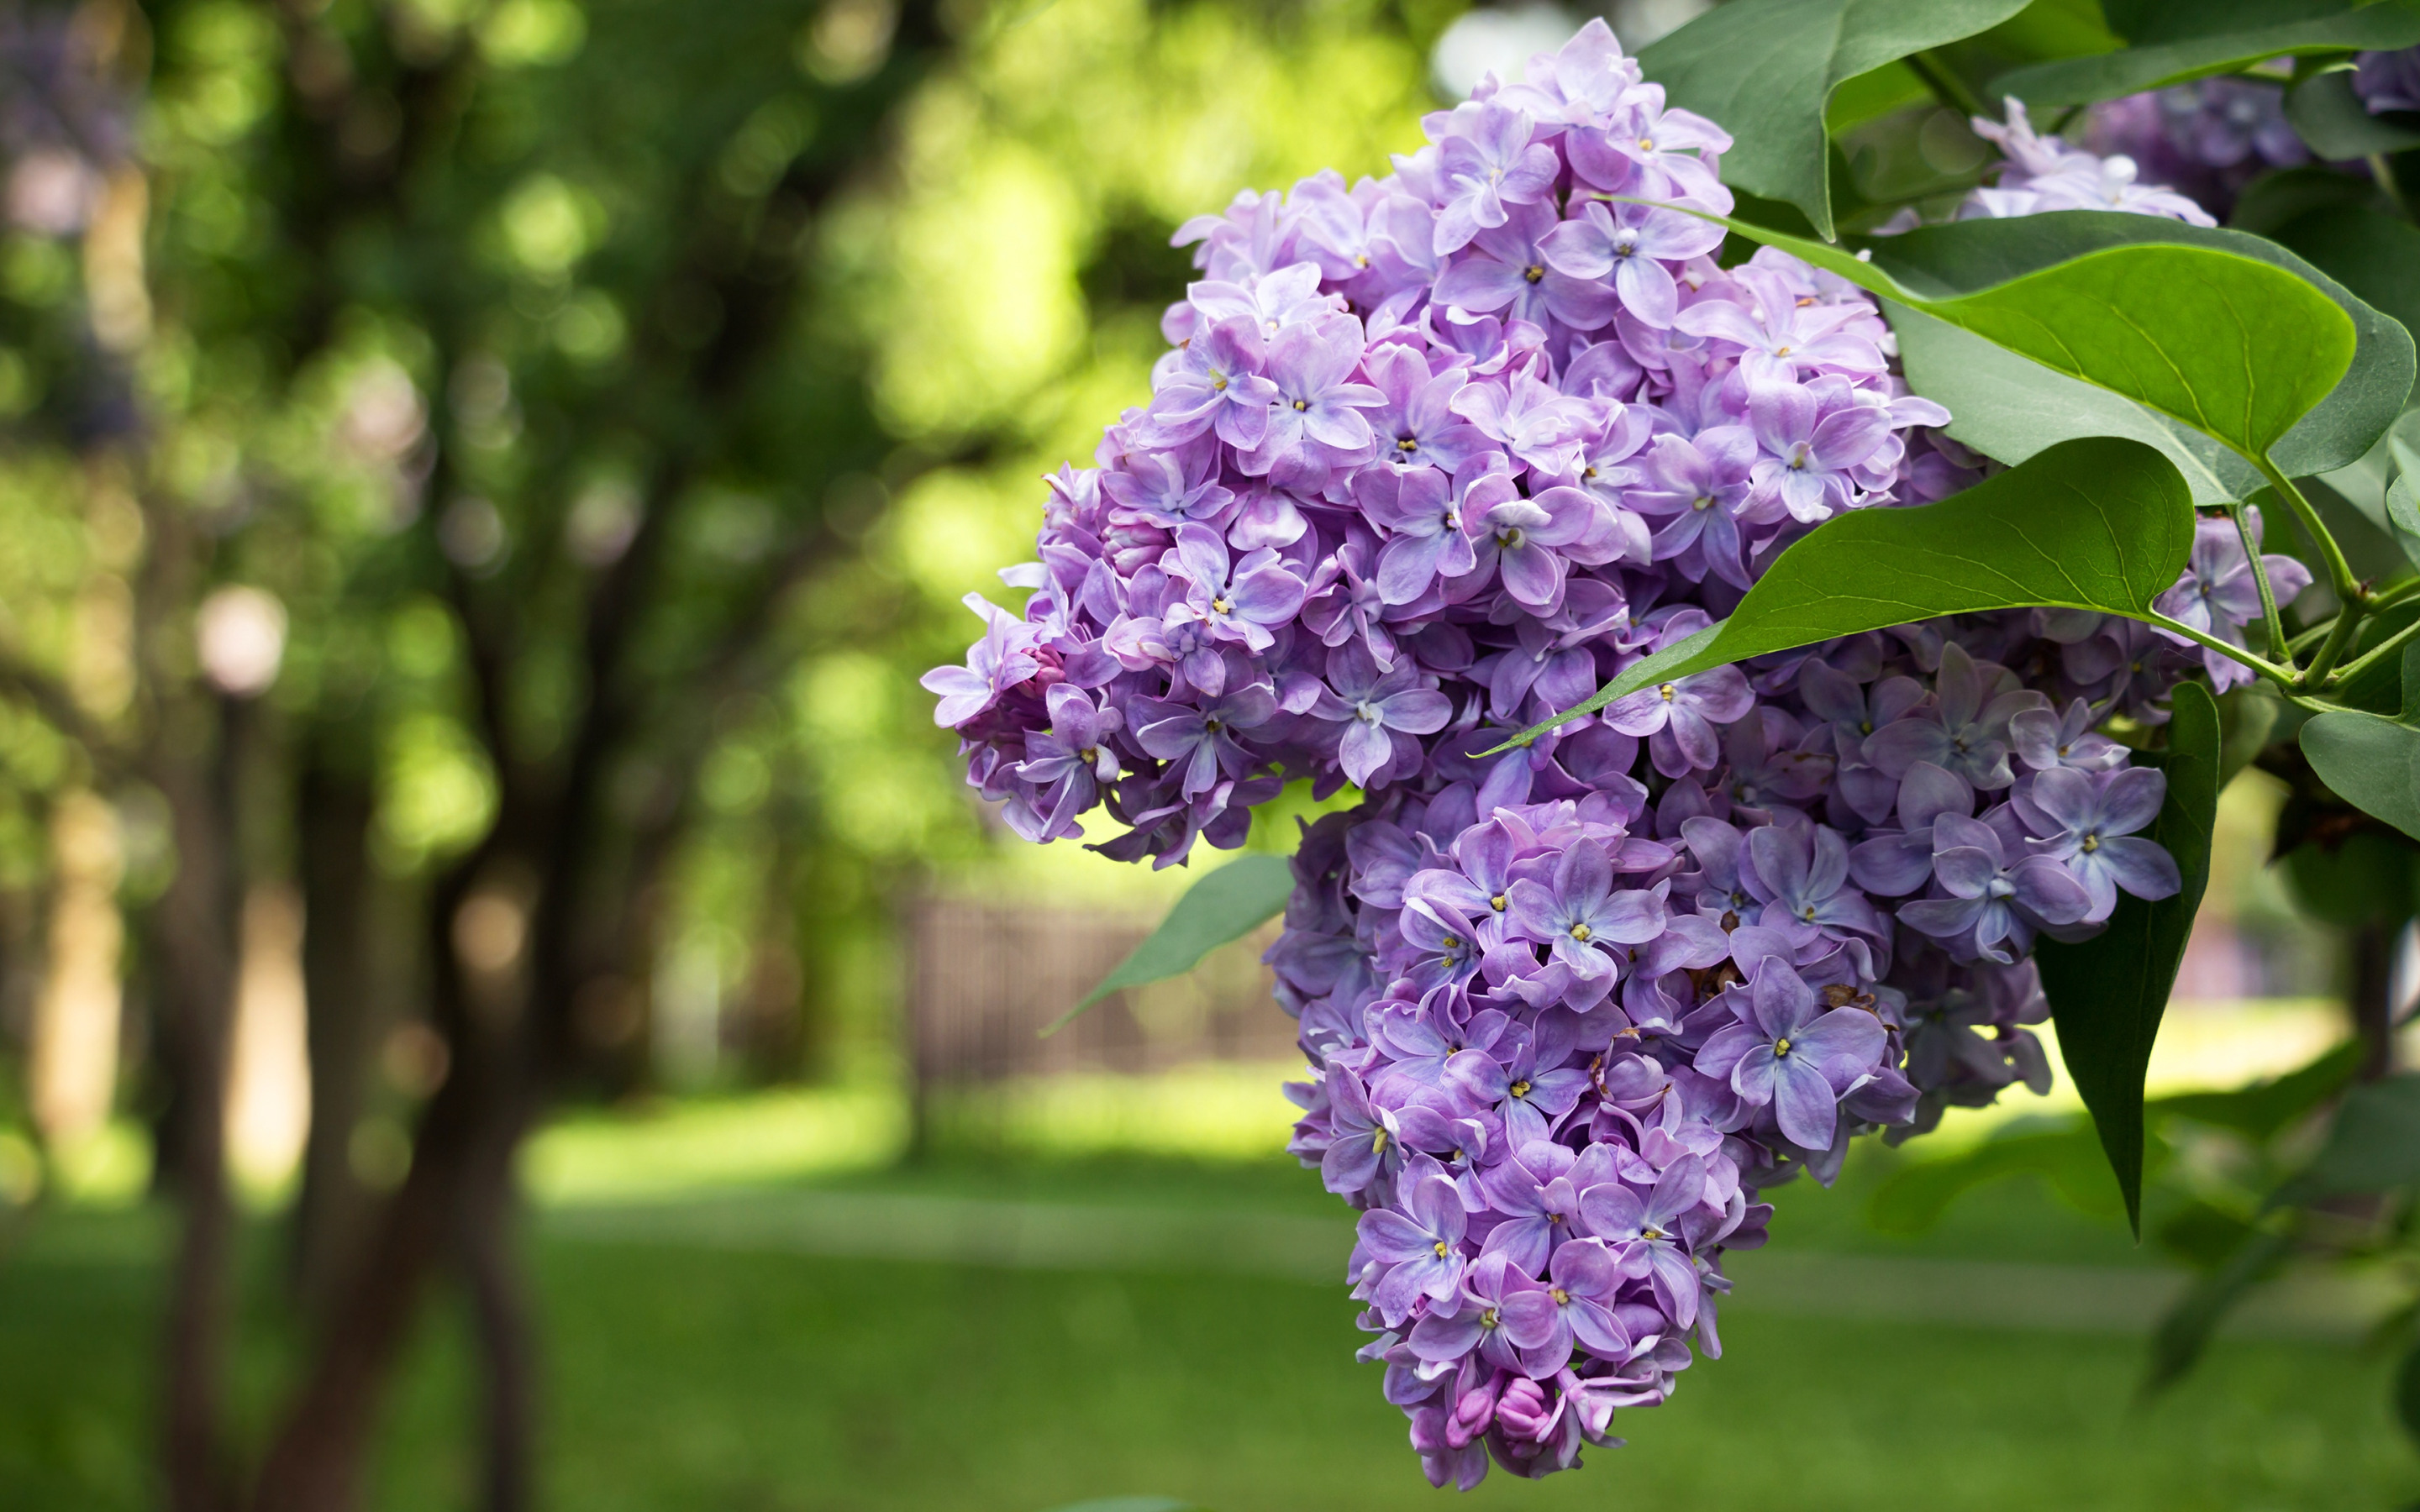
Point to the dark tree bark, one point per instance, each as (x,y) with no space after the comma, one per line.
(193,937)
(348,1014)
(2369,996)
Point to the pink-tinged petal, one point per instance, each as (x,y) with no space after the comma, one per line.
(1847,437)
(1647,290)
(1580,248)
(1532,575)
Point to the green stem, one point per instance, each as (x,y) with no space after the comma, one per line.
(2339,636)
(2340,579)
(2382,169)
(2378,653)
(2278,648)
(2389,598)
(2311,637)
(1946,84)
(2283,677)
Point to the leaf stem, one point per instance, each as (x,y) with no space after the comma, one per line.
(2382,169)
(2339,636)
(1946,84)
(2283,677)
(2378,653)
(2389,598)
(2279,650)
(2341,581)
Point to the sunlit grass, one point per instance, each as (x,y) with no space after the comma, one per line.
(1219,1111)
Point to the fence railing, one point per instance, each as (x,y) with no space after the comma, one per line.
(985,979)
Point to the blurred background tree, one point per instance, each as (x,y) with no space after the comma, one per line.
(451,594)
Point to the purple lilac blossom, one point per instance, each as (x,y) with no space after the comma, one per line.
(2388,81)
(1432,457)
(2207,139)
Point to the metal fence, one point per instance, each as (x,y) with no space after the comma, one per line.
(985,979)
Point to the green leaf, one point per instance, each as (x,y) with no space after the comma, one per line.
(2371,761)
(2246,714)
(2108,993)
(1914,1196)
(2335,124)
(2373,1145)
(2403,513)
(2097,523)
(2260,1110)
(1766,70)
(2272,200)
(1226,905)
(1132,1504)
(2226,332)
(2185,1332)
(2008,407)
(2407,1392)
(2176,40)
(2374,255)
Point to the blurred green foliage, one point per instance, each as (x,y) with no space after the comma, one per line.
(422,313)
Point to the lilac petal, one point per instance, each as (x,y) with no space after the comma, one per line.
(1964,870)
(2141,866)
(1845,1037)
(1387,1235)
(1805,1103)
(2131,799)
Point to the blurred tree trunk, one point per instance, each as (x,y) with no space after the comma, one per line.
(193,935)
(349,1012)
(2370,994)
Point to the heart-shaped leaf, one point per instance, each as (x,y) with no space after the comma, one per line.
(2098,523)
(1226,905)
(2108,993)
(1766,70)
(2176,40)
(2371,761)
(2333,122)
(2224,332)
(2007,406)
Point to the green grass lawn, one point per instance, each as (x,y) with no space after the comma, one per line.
(703,1380)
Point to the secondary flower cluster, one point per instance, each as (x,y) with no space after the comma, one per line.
(2207,139)
(2043,173)
(1431,458)
(2388,81)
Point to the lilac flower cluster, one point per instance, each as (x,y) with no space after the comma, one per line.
(2043,173)
(1432,457)
(2207,139)
(2388,81)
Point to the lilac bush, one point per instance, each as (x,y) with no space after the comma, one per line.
(1433,456)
